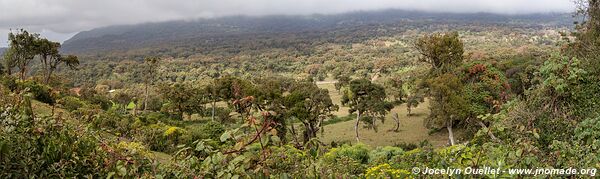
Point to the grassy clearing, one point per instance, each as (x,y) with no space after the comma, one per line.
(412,129)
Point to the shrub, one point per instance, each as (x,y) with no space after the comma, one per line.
(346,160)
(9,82)
(71,103)
(384,154)
(386,171)
(286,161)
(40,92)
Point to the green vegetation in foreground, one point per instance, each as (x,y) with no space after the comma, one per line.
(524,109)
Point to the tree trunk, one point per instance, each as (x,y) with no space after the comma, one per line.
(47,80)
(450,133)
(146,97)
(395,117)
(409,109)
(135,109)
(22,73)
(356,125)
(213,110)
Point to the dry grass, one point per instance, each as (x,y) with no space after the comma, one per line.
(412,129)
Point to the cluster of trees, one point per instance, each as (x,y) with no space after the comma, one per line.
(25,46)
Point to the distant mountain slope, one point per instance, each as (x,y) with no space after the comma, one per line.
(207,32)
(2,49)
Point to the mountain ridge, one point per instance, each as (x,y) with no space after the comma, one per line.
(150,35)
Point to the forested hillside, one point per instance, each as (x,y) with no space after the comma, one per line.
(182,38)
(384,94)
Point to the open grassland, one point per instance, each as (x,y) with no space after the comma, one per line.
(411,130)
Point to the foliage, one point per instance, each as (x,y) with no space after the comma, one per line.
(346,160)
(40,92)
(311,106)
(443,52)
(182,98)
(71,103)
(386,171)
(367,100)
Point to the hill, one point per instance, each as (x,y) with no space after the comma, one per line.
(184,38)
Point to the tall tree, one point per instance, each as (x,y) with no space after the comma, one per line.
(310,105)
(50,57)
(587,42)
(444,52)
(212,93)
(447,103)
(368,101)
(48,52)
(22,47)
(150,71)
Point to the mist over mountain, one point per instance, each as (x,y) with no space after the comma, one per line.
(207,32)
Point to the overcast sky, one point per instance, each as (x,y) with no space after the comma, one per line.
(60,19)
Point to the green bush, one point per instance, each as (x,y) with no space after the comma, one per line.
(384,154)
(40,92)
(286,161)
(9,82)
(71,103)
(112,121)
(51,148)
(347,159)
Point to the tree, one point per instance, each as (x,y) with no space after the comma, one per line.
(183,98)
(50,57)
(444,52)
(70,61)
(48,52)
(414,99)
(310,105)
(587,43)
(368,101)
(447,103)
(395,89)
(150,70)
(235,91)
(22,49)
(343,80)
(212,94)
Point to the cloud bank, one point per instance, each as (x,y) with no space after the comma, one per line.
(60,19)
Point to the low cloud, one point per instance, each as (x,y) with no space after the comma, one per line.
(60,19)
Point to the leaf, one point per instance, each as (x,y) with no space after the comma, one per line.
(110,175)
(275,139)
(265,140)
(122,171)
(200,146)
(226,135)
